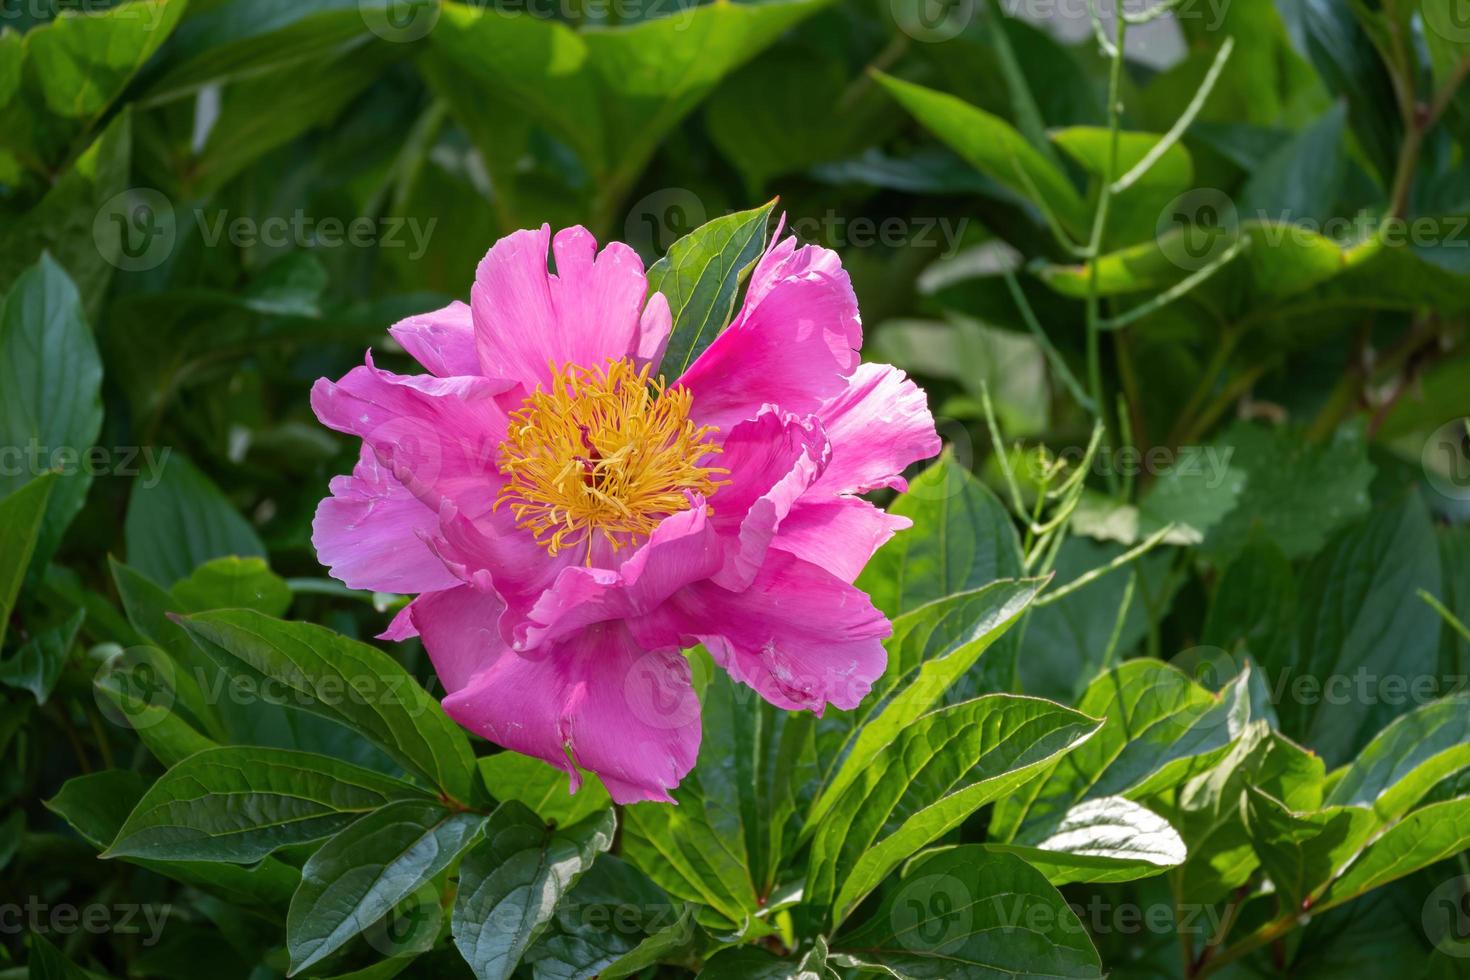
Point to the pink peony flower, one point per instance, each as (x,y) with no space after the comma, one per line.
(568,522)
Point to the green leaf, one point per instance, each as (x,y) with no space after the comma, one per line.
(50,392)
(96,806)
(1296,493)
(510,884)
(612,93)
(1159,729)
(940,769)
(962,538)
(1302,852)
(1254,606)
(612,915)
(701,275)
(73,68)
(239,804)
(181,522)
(1103,840)
(543,788)
(346,681)
(931,648)
(702,849)
(1425,837)
(1406,759)
(21,514)
(994,148)
(359,875)
(1357,627)
(36,666)
(77,220)
(86,60)
(233,583)
(1133,212)
(1064,642)
(1208,812)
(161,703)
(47,963)
(1302,179)
(667,944)
(965,913)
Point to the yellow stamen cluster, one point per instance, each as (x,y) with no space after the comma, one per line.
(604,450)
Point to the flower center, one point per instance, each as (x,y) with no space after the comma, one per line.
(604,450)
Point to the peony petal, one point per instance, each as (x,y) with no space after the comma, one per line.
(459,632)
(840,534)
(682,549)
(368,532)
(653,331)
(792,345)
(587,313)
(773,459)
(799,636)
(439,436)
(489,553)
(402,627)
(442,341)
(597,701)
(878,426)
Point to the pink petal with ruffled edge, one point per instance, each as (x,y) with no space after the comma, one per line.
(590,311)
(442,341)
(840,534)
(799,636)
(793,343)
(773,459)
(681,550)
(878,426)
(440,437)
(368,532)
(599,701)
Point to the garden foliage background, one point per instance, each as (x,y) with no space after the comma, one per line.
(1179,627)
